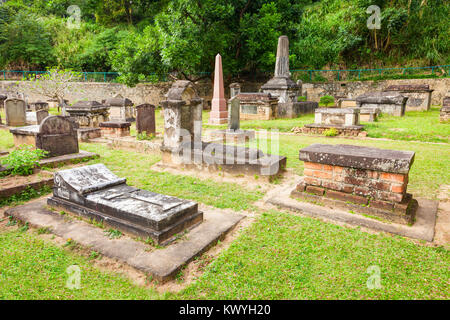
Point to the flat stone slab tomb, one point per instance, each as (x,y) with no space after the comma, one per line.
(95,192)
(375,180)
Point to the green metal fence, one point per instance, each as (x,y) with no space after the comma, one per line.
(302,74)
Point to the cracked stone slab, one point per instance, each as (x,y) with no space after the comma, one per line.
(163,264)
(422,229)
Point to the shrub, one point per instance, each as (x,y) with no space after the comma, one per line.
(23,160)
(326,100)
(301,98)
(332,132)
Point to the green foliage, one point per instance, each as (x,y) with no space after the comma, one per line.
(24,196)
(332,132)
(301,98)
(326,100)
(23,160)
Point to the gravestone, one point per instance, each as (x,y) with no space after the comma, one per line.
(235,89)
(36,117)
(145,118)
(15,112)
(257,106)
(56,134)
(219,113)
(444,114)
(233,114)
(2,100)
(389,102)
(95,192)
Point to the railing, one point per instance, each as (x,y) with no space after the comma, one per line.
(303,74)
(363,74)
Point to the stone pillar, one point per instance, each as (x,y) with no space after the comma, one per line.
(234,114)
(219,113)
(282,62)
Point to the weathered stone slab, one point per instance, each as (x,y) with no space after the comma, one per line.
(234,105)
(145,119)
(38,105)
(95,192)
(163,264)
(15,111)
(358,157)
(36,117)
(257,106)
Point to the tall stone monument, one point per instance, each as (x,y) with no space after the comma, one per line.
(281,85)
(219,113)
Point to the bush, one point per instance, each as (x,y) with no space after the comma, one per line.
(301,98)
(332,132)
(23,160)
(326,100)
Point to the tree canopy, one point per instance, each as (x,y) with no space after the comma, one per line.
(143,40)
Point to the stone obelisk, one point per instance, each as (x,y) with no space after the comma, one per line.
(281,85)
(219,112)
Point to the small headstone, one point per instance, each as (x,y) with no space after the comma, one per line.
(235,89)
(233,114)
(15,110)
(145,118)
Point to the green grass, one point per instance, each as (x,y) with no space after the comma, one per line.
(34,269)
(6,140)
(282,256)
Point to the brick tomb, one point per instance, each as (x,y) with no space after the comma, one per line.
(115,129)
(365,180)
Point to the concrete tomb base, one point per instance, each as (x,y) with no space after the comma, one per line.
(86,134)
(257,106)
(229,158)
(95,192)
(88,113)
(115,129)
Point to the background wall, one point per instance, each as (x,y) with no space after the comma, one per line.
(154,93)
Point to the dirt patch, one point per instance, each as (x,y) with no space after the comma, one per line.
(14,181)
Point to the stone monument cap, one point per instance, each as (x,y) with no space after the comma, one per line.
(358,157)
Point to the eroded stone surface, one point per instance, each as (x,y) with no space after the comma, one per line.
(145,119)
(15,111)
(394,161)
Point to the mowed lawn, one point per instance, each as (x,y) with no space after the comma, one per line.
(280,256)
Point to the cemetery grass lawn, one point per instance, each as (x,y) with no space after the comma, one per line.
(284,256)
(6,140)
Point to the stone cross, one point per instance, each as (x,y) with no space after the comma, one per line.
(282,62)
(219,113)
